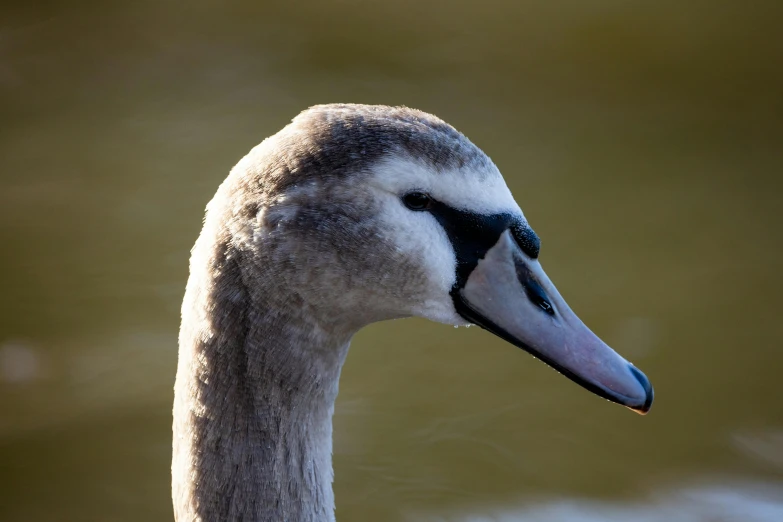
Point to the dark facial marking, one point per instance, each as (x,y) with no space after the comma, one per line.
(526,239)
(472,234)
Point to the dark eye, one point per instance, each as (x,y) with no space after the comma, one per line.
(417,201)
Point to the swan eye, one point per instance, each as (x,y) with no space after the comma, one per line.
(417,201)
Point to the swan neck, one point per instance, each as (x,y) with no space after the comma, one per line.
(254,398)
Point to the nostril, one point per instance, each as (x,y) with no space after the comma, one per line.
(533,290)
(536,294)
(545,306)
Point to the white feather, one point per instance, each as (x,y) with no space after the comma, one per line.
(419,234)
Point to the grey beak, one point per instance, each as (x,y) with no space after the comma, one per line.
(509,294)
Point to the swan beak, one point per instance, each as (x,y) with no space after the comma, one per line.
(509,294)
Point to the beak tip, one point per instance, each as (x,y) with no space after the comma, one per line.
(648,391)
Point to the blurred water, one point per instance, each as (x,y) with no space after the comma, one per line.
(724,503)
(643,141)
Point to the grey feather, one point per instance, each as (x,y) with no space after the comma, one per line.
(291,262)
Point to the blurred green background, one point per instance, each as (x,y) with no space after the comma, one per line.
(643,140)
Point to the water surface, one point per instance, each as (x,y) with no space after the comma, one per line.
(643,142)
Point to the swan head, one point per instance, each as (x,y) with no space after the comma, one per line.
(365,213)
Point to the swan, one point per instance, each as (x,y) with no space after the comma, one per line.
(349,215)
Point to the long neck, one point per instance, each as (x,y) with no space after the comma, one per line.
(254,398)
